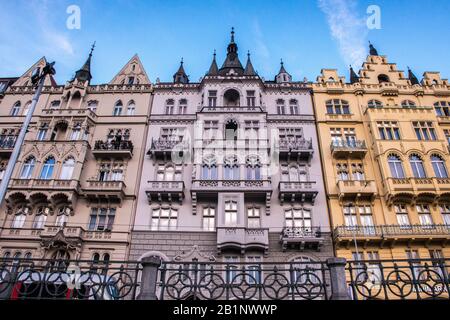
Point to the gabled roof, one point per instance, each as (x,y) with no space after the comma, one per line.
(127,70)
(25,79)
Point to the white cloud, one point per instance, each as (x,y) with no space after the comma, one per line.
(348,28)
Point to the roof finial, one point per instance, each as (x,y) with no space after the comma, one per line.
(92,48)
(214,53)
(372,50)
(232,34)
(248,54)
(281,62)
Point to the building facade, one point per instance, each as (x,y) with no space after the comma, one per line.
(73,191)
(232,172)
(385,154)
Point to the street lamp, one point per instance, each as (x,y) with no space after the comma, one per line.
(37,78)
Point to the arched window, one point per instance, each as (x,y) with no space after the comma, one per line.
(293,174)
(170,104)
(209,168)
(417,166)
(60,260)
(92,105)
(408,104)
(293,106)
(253,166)
(396,166)
(231,130)
(27,168)
(41,217)
(131,109)
(231,169)
(26,108)
(15,109)
(439,167)
(280,106)
(375,104)
(20,217)
(231,98)
(118,107)
(383,78)
(67,169)
(182,108)
(47,168)
(337,106)
(442,108)
(62,216)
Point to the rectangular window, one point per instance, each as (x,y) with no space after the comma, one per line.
(251,130)
(358,172)
(298,218)
(373,267)
(424,215)
(42,132)
(342,172)
(101,219)
(365,216)
(209,218)
(164,219)
(402,216)
(336,137)
(212,98)
(253,218)
(388,130)
(251,100)
(231,269)
(424,130)
(231,213)
(445,212)
(350,217)
(413,256)
(210,130)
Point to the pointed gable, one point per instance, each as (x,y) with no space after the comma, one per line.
(25,79)
(132,73)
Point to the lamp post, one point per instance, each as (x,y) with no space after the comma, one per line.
(37,78)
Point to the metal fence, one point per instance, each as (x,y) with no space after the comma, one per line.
(67,279)
(399,279)
(151,278)
(244,281)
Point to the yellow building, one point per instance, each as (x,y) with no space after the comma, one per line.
(384,147)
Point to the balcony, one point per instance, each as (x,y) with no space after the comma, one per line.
(68,231)
(297,191)
(67,113)
(166,148)
(104,190)
(295,149)
(243,239)
(351,189)
(301,238)
(7,144)
(113,149)
(247,186)
(44,184)
(231,109)
(345,149)
(165,191)
(236,144)
(391,234)
(74,235)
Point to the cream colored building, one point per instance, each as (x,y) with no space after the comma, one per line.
(384,147)
(73,189)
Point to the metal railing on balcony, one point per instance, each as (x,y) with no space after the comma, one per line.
(226,109)
(167,144)
(124,145)
(386,231)
(357,144)
(7,142)
(301,232)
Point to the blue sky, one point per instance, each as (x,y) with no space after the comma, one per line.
(308,34)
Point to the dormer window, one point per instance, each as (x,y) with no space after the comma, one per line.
(130,80)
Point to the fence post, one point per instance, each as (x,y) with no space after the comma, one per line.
(338,279)
(149,277)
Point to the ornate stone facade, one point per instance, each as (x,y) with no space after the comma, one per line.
(233,170)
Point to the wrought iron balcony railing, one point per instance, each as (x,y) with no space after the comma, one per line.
(388,231)
(304,237)
(355,148)
(7,142)
(123,148)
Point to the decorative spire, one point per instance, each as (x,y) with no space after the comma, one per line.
(180,76)
(213,69)
(353,76)
(232,62)
(84,74)
(282,69)
(249,70)
(412,77)
(372,50)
